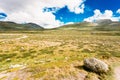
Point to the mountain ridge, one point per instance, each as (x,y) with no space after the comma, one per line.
(12,26)
(99,25)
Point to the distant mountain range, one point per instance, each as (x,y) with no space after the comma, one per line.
(11,26)
(100,25)
(108,25)
(79,26)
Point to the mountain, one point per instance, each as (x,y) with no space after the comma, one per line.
(100,25)
(79,26)
(108,25)
(11,26)
(103,21)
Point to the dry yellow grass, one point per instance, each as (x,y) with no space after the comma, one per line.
(54,54)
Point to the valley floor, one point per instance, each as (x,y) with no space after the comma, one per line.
(57,54)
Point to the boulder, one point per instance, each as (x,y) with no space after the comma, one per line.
(96,65)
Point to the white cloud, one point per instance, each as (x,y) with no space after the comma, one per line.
(108,14)
(69,23)
(118,11)
(21,11)
(1,10)
(75,6)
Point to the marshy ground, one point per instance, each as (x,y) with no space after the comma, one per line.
(56,54)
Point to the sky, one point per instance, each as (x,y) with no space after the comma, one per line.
(54,13)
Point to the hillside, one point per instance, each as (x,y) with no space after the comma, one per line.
(100,25)
(11,26)
(79,26)
(108,25)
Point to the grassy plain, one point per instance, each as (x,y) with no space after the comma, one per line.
(56,54)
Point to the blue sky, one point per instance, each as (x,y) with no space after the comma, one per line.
(90,6)
(53,13)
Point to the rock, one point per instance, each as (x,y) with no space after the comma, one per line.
(96,65)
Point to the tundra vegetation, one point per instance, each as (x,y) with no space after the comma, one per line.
(57,54)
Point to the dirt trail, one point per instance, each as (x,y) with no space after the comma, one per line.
(117,73)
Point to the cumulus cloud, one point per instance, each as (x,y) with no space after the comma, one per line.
(108,14)
(118,11)
(75,6)
(1,10)
(25,11)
